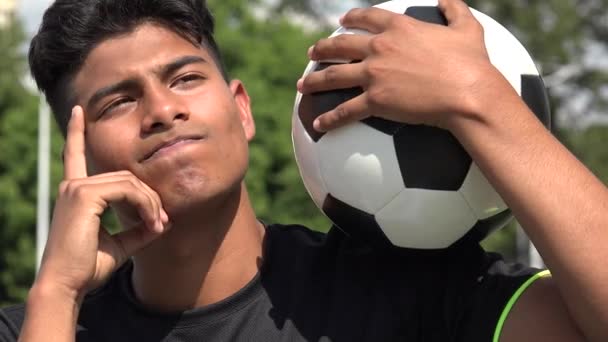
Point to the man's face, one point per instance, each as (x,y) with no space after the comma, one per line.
(158,106)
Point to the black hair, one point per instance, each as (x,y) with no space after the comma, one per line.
(70,29)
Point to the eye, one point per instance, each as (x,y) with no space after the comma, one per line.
(187,81)
(121,102)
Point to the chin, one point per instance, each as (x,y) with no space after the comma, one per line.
(197,196)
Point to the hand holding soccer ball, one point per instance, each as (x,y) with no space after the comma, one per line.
(400,61)
(376,121)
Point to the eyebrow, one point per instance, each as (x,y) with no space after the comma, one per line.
(163,72)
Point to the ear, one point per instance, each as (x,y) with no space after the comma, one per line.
(243,104)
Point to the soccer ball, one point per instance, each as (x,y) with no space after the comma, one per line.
(409,186)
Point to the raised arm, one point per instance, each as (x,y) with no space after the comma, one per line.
(80,254)
(422,73)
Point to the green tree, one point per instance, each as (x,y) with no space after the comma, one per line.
(584,144)
(268,54)
(18,144)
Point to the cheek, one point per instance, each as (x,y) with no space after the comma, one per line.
(108,152)
(236,142)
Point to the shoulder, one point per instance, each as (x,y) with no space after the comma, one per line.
(11,319)
(286,244)
(538,313)
(292,241)
(294,233)
(488,299)
(515,303)
(299,254)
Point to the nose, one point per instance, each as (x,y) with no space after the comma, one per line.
(163,110)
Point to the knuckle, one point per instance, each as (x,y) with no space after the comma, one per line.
(308,81)
(479,29)
(135,182)
(339,42)
(375,96)
(148,202)
(364,15)
(352,14)
(63,186)
(126,173)
(396,21)
(475,26)
(319,45)
(379,44)
(70,187)
(79,191)
(404,23)
(340,114)
(330,74)
(151,191)
(128,184)
(374,69)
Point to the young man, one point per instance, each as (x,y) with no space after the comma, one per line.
(158,133)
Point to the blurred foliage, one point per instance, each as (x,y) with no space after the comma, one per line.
(17,169)
(588,146)
(268,52)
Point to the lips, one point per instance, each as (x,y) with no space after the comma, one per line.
(170,142)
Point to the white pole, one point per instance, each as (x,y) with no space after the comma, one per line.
(44,151)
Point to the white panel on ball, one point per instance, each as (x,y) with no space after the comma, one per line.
(426,219)
(480,195)
(307,158)
(362,172)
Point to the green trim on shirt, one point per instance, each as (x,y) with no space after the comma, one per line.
(513,300)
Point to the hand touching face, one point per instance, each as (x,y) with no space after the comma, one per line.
(165,114)
(80,254)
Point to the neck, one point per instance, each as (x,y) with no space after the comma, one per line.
(203,259)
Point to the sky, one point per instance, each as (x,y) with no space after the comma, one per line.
(31,12)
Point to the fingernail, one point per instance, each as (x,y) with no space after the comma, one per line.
(310,51)
(300,84)
(163,216)
(341,20)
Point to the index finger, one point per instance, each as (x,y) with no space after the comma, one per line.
(372,19)
(74,160)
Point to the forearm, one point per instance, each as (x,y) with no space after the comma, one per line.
(562,206)
(51,315)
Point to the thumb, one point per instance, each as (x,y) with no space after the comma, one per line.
(129,242)
(455,11)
